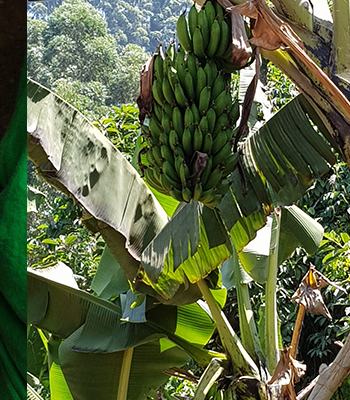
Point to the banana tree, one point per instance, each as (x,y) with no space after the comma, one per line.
(171,261)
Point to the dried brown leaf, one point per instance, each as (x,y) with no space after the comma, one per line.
(144,99)
(283,373)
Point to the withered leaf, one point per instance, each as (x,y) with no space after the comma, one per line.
(144,99)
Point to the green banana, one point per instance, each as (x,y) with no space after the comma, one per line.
(189,119)
(151,140)
(168,109)
(176,194)
(178,122)
(150,159)
(219,142)
(195,112)
(192,19)
(186,194)
(157,155)
(157,92)
(189,85)
(198,45)
(201,82)
(184,173)
(223,186)
(234,112)
(213,179)
(178,152)
(178,161)
(191,64)
(211,70)
(180,96)
(211,204)
(225,40)
(211,118)
(222,102)
(219,11)
(203,124)
(197,191)
(157,110)
(207,143)
(215,36)
(168,91)
(158,67)
(207,171)
(149,176)
(154,126)
(210,13)
(166,123)
(180,65)
(173,139)
(207,196)
(221,156)
(230,163)
(219,86)
(167,182)
(187,142)
(173,77)
(204,28)
(197,139)
(169,170)
(221,124)
(204,100)
(167,153)
(164,139)
(182,33)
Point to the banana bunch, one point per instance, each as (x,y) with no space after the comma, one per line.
(190,129)
(207,33)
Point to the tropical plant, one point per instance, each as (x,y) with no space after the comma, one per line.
(169,264)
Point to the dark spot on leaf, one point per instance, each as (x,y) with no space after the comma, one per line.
(90,146)
(94,176)
(85,191)
(138,213)
(103,152)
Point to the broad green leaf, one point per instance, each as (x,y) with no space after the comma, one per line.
(70,239)
(51,241)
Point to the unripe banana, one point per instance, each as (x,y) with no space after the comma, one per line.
(207,143)
(164,139)
(167,153)
(157,92)
(234,112)
(197,191)
(182,33)
(223,186)
(178,122)
(222,102)
(191,64)
(219,142)
(204,100)
(173,77)
(169,170)
(211,70)
(184,173)
(173,139)
(207,171)
(219,86)
(187,142)
(186,194)
(221,124)
(180,65)
(157,155)
(197,139)
(198,45)
(167,182)
(219,11)
(221,156)
(215,36)
(207,196)
(178,161)
(168,91)
(178,152)
(166,123)
(149,176)
(203,24)
(189,85)
(230,163)
(201,82)
(225,40)
(151,140)
(180,96)
(211,204)
(195,112)
(211,118)
(192,20)
(203,124)
(170,53)
(210,13)
(189,119)
(213,179)
(157,109)
(158,67)
(176,194)
(150,159)
(154,126)
(168,109)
